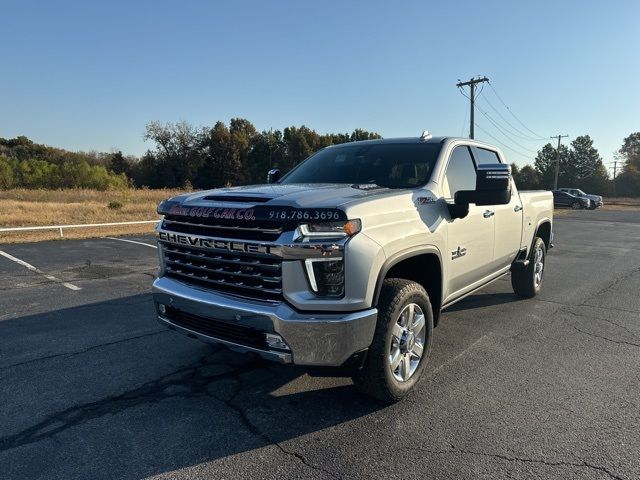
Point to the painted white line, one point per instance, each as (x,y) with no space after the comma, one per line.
(28,266)
(132,241)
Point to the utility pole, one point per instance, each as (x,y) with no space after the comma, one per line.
(270,153)
(555,182)
(472,88)
(615,169)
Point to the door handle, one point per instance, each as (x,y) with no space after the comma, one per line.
(487,214)
(517,208)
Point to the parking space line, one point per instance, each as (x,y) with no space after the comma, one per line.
(28,266)
(132,241)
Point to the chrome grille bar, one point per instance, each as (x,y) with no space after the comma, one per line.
(257,276)
(269,231)
(198,226)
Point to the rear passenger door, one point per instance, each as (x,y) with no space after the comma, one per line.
(508,222)
(470,239)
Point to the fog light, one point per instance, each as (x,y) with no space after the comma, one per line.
(162,309)
(276,341)
(326,276)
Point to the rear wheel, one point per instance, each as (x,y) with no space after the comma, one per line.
(401,343)
(527,282)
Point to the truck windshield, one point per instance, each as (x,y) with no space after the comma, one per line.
(394,165)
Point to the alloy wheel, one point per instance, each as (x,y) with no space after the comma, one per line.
(407,342)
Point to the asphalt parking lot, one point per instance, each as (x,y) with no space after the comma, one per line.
(92,387)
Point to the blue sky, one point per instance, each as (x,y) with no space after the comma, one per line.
(90,75)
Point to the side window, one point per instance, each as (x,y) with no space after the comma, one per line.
(461,172)
(484,156)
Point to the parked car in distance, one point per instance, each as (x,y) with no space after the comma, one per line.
(596,200)
(564,199)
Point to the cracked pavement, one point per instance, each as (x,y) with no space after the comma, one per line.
(92,387)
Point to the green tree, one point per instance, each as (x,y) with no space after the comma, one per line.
(216,158)
(299,144)
(179,151)
(588,171)
(628,182)
(120,164)
(630,149)
(528,178)
(545,165)
(242,133)
(6,174)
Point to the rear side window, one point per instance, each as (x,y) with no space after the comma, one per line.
(461,172)
(484,156)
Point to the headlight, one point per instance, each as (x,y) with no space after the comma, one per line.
(326,276)
(329,229)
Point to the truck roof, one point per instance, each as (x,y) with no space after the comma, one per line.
(416,140)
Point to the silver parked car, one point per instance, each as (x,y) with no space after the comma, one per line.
(596,200)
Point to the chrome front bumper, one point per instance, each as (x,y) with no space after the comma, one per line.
(314,339)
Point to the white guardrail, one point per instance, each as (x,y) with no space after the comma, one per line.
(85,225)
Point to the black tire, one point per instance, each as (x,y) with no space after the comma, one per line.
(576,205)
(376,377)
(523,280)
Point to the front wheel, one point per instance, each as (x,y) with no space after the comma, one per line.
(401,343)
(527,282)
(576,205)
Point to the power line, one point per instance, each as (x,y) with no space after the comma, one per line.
(504,144)
(520,133)
(463,123)
(504,133)
(513,114)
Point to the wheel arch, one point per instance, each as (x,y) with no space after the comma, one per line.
(422,265)
(543,230)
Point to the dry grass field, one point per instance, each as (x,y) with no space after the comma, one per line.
(621,203)
(27,208)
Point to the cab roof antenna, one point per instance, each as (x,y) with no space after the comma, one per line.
(425,135)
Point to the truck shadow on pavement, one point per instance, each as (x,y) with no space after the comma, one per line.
(144,400)
(479,300)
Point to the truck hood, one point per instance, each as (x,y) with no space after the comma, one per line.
(314,195)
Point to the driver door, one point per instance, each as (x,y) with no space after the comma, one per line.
(470,240)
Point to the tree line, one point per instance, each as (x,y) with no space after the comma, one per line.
(184,156)
(236,154)
(581,166)
(25,164)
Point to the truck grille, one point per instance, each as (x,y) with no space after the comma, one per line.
(220,229)
(218,329)
(237,273)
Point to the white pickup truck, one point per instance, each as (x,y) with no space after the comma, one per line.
(348,260)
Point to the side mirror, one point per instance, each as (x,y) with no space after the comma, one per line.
(493,186)
(273,175)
